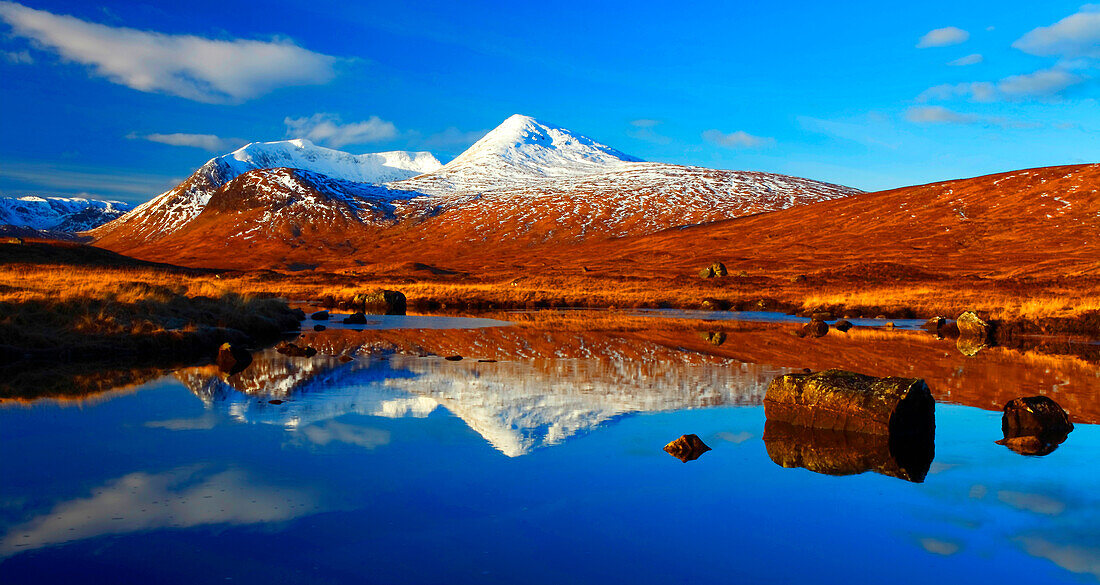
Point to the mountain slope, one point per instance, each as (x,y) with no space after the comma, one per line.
(1036,222)
(524,184)
(173,209)
(63,214)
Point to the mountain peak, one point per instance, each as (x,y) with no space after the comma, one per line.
(531,147)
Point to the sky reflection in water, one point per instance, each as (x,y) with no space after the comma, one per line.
(545,466)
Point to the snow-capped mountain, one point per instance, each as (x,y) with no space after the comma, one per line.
(62,214)
(521,150)
(534,397)
(524,183)
(174,209)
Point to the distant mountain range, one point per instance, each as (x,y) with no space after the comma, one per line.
(524,183)
(59,214)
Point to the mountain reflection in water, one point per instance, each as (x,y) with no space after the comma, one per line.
(380,449)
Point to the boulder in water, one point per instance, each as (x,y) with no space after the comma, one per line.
(815,328)
(232,359)
(1033,415)
(837,399)
(714,270)
(386,302)
(687,448)
(356,319)
(842,325)
(833,452)
(973,327)
(294,350)
(320,316)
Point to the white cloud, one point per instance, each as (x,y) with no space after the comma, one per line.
(18,57)
(943,37)
(1046,83)
(938,115)
(978,91)
(196,68)
(1042,84)
(207,142)
(1077,35)
(645,123)
(328,129)
(1081,559)
(939,547)
(972,59)
(140,502)
(738,139)
(941,115)
(338,432)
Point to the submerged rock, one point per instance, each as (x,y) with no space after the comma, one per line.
(973,327)
(453,358)
(837,399)
(934,324)
(816,328)
(714,270)
(1034,445)
(687,448)
(1033,415)
(713,337)
(833,452)
(842,325)
(294,350)
(356,319)
(319,327)
(232,359)
(970,346)
(388,302)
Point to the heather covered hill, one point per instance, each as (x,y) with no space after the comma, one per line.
(1031,223)
(526,184)
(174,209)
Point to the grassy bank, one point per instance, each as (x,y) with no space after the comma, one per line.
(62,299)
(80,313)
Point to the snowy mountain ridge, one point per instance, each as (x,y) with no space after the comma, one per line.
(64,214)
(525,180)
(177,207)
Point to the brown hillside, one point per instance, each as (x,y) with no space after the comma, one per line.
(1039,222)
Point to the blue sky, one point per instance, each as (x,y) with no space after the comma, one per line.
(124,99)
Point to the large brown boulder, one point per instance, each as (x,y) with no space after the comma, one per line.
(842,325)
(356,319)
(232,359)
(1034,415)
(837,399)
(833,452)
(295,350)
(385,302)
(687,448)
(713,337)
(934,325)
(714,270)
(815,328)
(973,327)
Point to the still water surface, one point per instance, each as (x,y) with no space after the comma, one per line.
(544,466)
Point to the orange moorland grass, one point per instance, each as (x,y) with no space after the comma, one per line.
(97,312)
(999,299)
